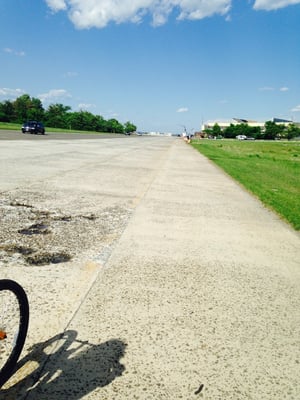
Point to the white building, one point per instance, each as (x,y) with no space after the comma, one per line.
(235,121)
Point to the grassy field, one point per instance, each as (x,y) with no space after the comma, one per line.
(17,127)
(270,170)
(9,126)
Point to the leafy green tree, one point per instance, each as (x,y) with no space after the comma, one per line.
(129,127)
(95,123)
(292,131)
(114,126)
(7,111)
(82,120)
(36,110)
(216,130)
(256,132)
(208,131)
(101,124)
(76,120)
(242,129)
(22,109)
(57,116)
(273,130)
(230,132)
(22,106)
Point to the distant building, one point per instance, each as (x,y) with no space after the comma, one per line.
(282,121)
(235,121)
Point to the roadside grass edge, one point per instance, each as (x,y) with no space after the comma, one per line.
(268,170)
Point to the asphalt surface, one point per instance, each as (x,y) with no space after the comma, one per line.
(18,135)
(192,293)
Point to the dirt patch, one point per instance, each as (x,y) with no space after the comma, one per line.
(35,229)
(48,258)
(12,249)
(31,235)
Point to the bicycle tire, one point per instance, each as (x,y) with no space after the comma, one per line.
(14,326)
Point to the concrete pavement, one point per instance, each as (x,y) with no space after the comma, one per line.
(199,298)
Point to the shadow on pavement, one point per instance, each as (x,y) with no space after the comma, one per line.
(65,368)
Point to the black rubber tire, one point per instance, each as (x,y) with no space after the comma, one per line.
(23,320)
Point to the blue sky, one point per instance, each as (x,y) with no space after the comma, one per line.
(161,64)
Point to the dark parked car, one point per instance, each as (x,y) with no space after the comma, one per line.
(33,127)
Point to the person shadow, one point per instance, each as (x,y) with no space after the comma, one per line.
(65,368)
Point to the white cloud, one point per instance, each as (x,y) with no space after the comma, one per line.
(182,109)
(70,74)
(85,106)
(11,93)
(57,5)
(266,89)
(98,13)
(273,4)
(14,52)
(270,89)
(109,114)
(296,109)
(193,9)
(54,95)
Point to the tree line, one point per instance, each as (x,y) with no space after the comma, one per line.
(271,131)
(26,108)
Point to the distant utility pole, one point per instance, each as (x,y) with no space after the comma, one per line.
(183,126)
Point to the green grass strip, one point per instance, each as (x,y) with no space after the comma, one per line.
(17,127)
(269,170)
